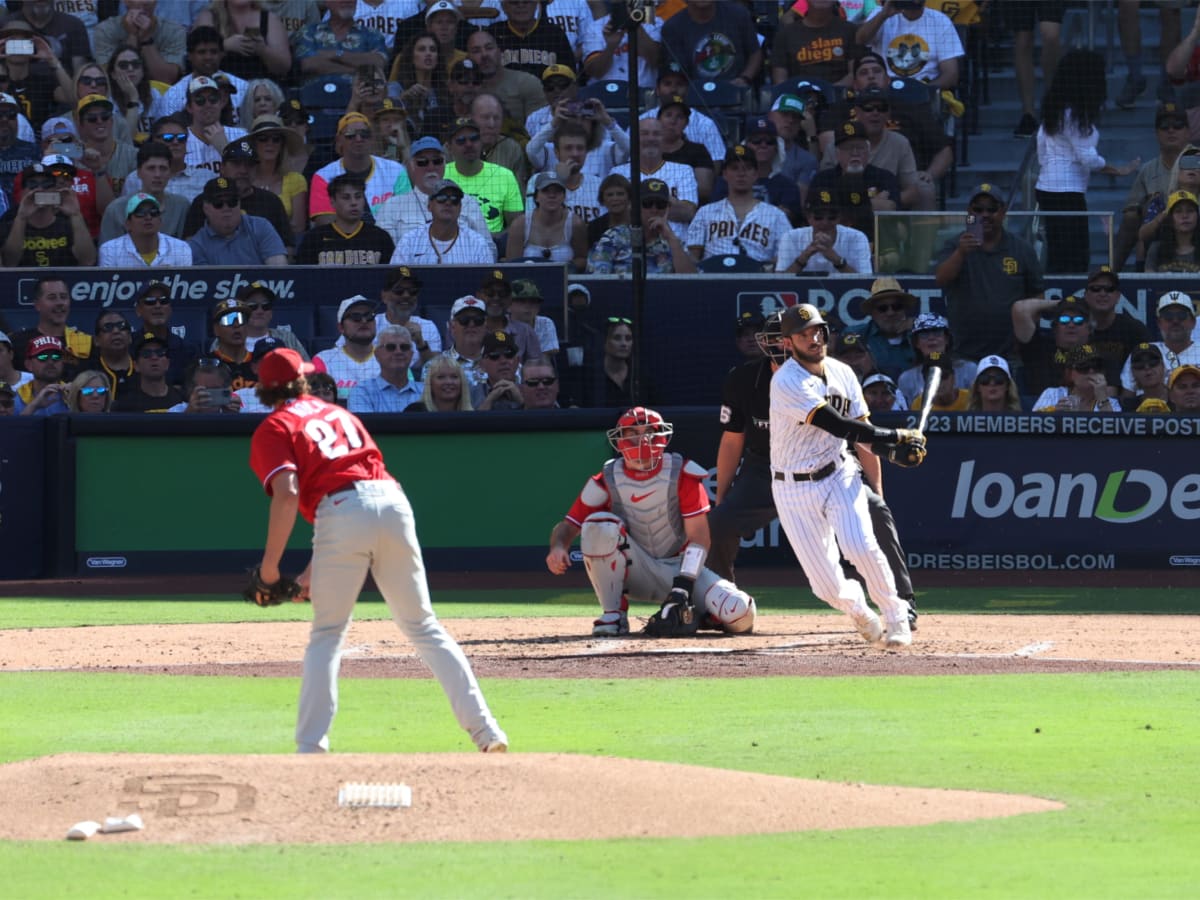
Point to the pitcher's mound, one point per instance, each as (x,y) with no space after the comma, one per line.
(455,797)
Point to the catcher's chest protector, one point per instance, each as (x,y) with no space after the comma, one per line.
(649,508)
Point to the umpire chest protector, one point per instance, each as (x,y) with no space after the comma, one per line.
(649,506)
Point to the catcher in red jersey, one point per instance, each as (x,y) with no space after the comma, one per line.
(317,459)
(642,524)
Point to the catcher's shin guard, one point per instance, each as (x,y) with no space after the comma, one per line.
(730,606)
(603,542)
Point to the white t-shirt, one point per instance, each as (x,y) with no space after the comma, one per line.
(850,243)
(797,446)
(593,42)
(914,49)
(716,227)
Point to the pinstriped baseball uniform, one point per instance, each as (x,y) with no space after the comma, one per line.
(679,178)
(716,225)
(815,512)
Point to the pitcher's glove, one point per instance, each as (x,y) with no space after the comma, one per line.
(677,617)
(260,593)
(907,456)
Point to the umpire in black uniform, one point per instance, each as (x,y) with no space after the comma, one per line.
(744,503)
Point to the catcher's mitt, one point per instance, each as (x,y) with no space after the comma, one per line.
(260,593)
(677,617)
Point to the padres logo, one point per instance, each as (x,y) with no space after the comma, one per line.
(656,185)
(825,196)
(1010,265)
(848,128)
(804,313)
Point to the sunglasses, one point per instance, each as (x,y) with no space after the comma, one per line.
(619,320)
(447,198)
(998,378)
(985,210)
(655,204)
(155,301)
(1088,368)
(541,382)
(94,80)
(152,213)
(1071,320)
(501,354)
(822,216)
(225,204)
(1142,365)
(466,139)
(471,321)
(874,108)
(153,353)
(1172,126)
(430,161)
(404,290)
(93,391)
(359,317)
(268,138)
(264,305)
(468,79)
(356,135)
(8,115)
(231,319)
(38,186)
(206,99)
(1174,316)
(1102,289)
(172,137)
(126,64)
(115,326)
(49,356)
(98,117)
(392,348)
(888,307)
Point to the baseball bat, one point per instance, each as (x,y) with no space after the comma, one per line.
(933,381)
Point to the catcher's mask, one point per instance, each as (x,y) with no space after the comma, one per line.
(770,339)
(641,437)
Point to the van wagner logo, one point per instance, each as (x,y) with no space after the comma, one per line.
(1120,498)
(106,562)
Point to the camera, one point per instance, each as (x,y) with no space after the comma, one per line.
(581,109)
(219,397)
(47,198)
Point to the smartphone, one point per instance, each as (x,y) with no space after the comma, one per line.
(47,198)
(70,149)
(19,48)
(975,227)
(253,33)
(219,397)
(618,15)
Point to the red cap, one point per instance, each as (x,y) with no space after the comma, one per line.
(282,366)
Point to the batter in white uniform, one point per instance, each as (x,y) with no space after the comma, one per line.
(816,405)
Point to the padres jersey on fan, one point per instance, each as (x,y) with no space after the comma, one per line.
(717,229)
(326,446)
(652,506)
(796,394)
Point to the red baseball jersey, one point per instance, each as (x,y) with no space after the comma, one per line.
(327,447)
(693,498)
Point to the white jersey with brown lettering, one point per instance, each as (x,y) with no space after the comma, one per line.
(796,393)
(719,232)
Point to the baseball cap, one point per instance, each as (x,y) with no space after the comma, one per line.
(1177,197)
(5,339)
(240,149)
(656,187)
(1153,406)
(92,100)
(495,341)
(153,287)
(356,300)
(849,131)
(392,107)
(43,343)
(218,188)
(494,278)
(879,378)
(547,179)
(674,100)
(352,118)
(280,367)
(1169,112)
(1178,373)
(993,362)
(441,6)
(524,289)
(149,337)
(427,143)
(1146,352)
(930,322)
(671,68)
(851,342)
(56,163)
(1072,306)
(1189,159)
(467,303)
(1176,298)
(1081,355)
(870,95)
(402,273)
(558,71)
(740,153)
(201,83)
(750,319)
(1104,272)
(8,100)
(575,290)
(55,126)
(759,125)
(986,189)
(445,186)
(460,124)
(265,345)
(228,305)
(821,199)
(134,203)
(789,103)
(941,361)
(256,287)
(798,317)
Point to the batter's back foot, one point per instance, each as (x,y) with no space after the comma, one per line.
(869,626)
(898,635)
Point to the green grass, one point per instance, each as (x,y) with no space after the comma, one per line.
(1119,749)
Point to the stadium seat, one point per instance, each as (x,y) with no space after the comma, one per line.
(326,92)
(720,96)
(732,264)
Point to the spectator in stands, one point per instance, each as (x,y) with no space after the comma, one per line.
(499,364)
(672,82)
(495,146)
(1152,183)
(823,247)
(42,395)
(154,173)
(558,83)
(1044,356)
(495,187)
(520,92)
(1175,249)
(888,334)
(949,397)
(347,240)
(930,334)
(819,43)
(539,384)
(9,373)
(400,292)
(52,303)
(880,393)
(61,147)
(204,54)
(444,241)
(228,236)
(1114,334)
(468,318)
(1019,17)
(771,185)
(153,308)
(161,43)
(88,392)
(132,91)
(1066,146)
(248,395)
(426,168)
(443,20)
(337,45)
(111,349)
(1176,313)
(354,361)
(1129,30)
(368,90)
(549,231)
(392,138)
(15,155)
(741,224)
(795,126)
(892,151)
(617,364)
(1184,176)
(993,389)
(46,228)
(524,308)
(394,389)
(605,50)
(207,383)
(35,79)
(583,188)
(983,274)
(749,324)
(607,144)
(1085,388)
(207,137)
(851,348)
(144,244)
(239,161)
(103,154)
(321,385)
(8,401)
(254,39)
(1184,391)
(1149,377)
(917,42)
(262,97)
(678,178)
(464,84)
(420,69)
(1183,62)
(612,254)
(257,301)
(614,197)
(183,180)
(274,145)
(862,189)
(673,116)
(229,320)
(527,43)
(714,41)
(307,158)
(497,294)
(64,34)
(446,388)
(382,177)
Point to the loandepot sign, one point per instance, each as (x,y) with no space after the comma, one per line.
(1121,497)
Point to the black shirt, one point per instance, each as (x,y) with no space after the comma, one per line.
(853,194)
(1116,342)
(746,405)
(325,245)
(49,247)
(692,155)
(134,400)
(546,45)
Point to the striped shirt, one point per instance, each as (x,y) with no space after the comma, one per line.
(419,248)
(121,253)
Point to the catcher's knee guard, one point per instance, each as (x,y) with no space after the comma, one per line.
(603,542)
(730,606)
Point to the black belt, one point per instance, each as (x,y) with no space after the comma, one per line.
(823,472)
(347,489)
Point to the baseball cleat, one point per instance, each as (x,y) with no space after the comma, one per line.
(912,612)
(611,624)
(496,746)
(869,627)
(898,635)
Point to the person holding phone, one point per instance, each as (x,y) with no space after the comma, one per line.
(208,386)
(46,229)
(253,39)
